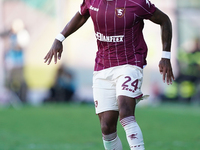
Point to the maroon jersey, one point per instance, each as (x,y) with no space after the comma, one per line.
(118,26)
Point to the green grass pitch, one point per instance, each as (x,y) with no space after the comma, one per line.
(76,127)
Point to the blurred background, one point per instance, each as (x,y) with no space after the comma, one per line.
(28,29)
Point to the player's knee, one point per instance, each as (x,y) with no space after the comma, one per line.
(108,128)
(108,122)
(125,112)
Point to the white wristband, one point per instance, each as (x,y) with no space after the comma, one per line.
(166,54)
(60,37)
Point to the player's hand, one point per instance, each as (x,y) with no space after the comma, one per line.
(166,70)
(55,51)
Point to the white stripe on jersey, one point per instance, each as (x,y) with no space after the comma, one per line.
(107,34)
(115,32)
(98,26)
(124,34)
(133,42)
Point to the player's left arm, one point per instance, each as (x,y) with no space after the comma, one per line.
(165,66)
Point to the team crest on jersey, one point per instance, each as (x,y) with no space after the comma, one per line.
(120,12)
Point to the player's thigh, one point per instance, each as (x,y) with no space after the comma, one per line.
(128,89)
(129,84)
(104,93)
(105,99)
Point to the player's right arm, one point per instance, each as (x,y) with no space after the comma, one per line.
(56,50)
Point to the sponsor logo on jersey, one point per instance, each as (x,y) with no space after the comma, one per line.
(93,8)
(120,12)
(103,38)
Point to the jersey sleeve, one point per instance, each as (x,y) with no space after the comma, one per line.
(84,8)
(146,9)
